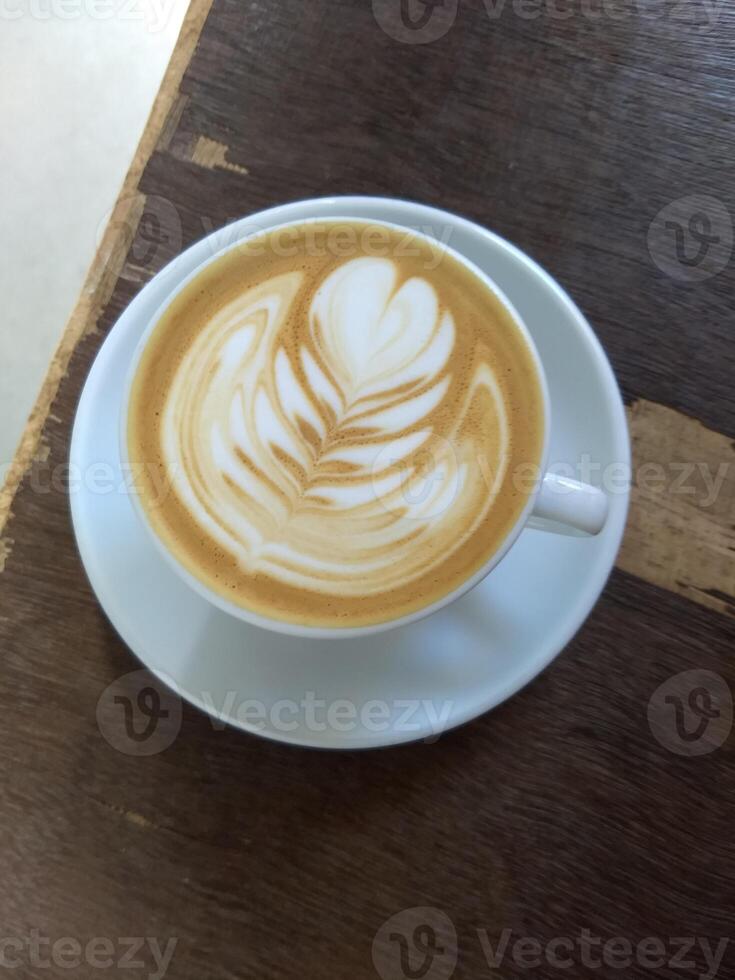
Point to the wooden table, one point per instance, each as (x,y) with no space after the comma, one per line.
(569,808)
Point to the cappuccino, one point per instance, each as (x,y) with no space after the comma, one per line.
(340,412)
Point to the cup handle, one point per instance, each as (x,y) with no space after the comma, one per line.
(565,506)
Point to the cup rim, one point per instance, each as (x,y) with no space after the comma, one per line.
(334,632)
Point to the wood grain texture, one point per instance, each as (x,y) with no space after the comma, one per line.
(680,532)
(561,810)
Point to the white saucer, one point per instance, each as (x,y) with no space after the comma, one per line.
(405,684)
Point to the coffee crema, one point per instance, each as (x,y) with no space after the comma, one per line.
(327,424)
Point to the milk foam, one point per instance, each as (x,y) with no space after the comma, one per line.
(313,444)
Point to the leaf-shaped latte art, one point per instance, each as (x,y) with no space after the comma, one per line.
(331,446)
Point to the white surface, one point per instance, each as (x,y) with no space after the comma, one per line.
(77,81)
(562,500)
(451,667)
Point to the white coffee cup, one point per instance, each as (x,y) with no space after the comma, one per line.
(558,504)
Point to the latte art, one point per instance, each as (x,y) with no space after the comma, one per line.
(337,432)
(299,452)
